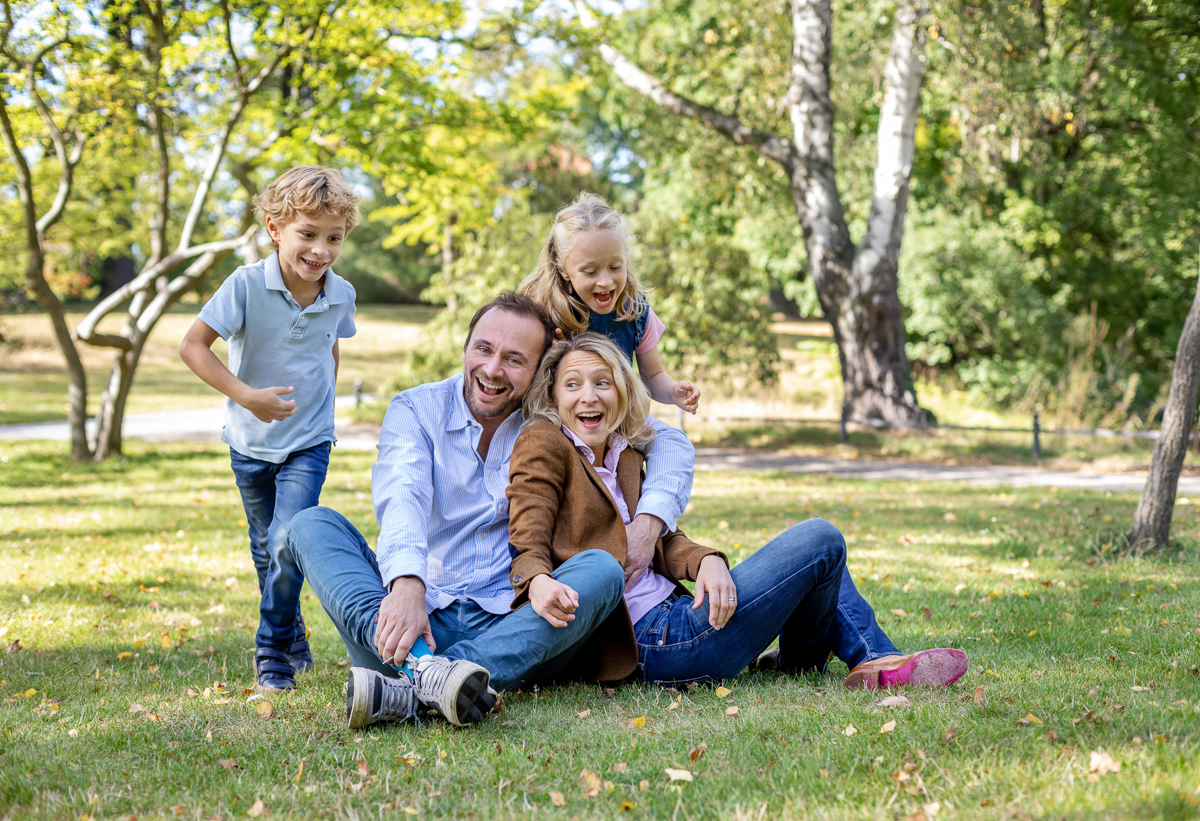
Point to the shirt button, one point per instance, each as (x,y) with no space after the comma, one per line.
(660,642)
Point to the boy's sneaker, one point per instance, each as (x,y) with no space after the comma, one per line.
(273,670)
(372,697)
(302,660)
(456,688)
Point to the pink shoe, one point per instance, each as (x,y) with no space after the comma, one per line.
(928,668)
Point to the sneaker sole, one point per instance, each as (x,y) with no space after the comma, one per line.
(472,701)
(928,668)
(358,699)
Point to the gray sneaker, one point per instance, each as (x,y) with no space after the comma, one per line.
(372,697)
(456,688)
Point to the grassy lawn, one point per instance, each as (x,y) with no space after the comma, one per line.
(131,592)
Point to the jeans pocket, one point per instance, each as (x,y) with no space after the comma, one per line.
(651,629)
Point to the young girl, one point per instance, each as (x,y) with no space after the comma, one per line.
(586,282)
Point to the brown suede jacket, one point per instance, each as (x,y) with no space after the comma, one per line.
(559,507)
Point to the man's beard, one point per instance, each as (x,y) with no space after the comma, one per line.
(512,401)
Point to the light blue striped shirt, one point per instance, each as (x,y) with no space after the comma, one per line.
(441,508)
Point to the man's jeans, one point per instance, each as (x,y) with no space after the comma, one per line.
(514,647)
(272,494)
(789,589)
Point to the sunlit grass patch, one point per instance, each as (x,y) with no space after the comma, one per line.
(130,589)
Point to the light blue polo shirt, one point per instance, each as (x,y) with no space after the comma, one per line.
(274,342)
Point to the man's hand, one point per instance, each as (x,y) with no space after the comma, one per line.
(714,579)
(552,600)
(641,535)
(266,405)
(402,620)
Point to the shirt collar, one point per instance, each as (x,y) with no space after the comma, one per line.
(616,444)
(335,289)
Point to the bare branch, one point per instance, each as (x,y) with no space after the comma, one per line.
(237,64)
(768,144)
(66,167)
(107,341)
(87,328)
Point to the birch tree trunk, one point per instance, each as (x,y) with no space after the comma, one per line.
(1152,519)
(856,286)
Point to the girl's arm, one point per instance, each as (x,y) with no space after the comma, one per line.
(264,403)
(662,387)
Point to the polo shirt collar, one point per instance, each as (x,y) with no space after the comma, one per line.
(334,291)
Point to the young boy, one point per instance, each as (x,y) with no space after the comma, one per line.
(283,318)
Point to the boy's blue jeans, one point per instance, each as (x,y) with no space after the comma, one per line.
(513,647)
(272,494)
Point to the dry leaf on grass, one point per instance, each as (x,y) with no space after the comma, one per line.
(678,775)
(731,711)
(585,713)
(363,768)
(635,723)
(590,782)
(933,808)
(643,785)
(178,810)
(723,691)
(258,808)
(978,694)
(849,731)
(265,709)
(299,772)
(1101,763)
(557,799)
(228,763)
(894,701)
(698,752)
(887,728)
(900,776)
(620,767)
(948,734)
(900,613)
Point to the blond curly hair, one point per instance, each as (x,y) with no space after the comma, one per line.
(307,189)
(633,400)
(548,284)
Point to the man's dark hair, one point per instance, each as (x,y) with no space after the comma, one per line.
(520,305)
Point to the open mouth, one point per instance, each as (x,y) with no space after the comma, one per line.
(591,420)
(489,390)
(604,299)
(312,266)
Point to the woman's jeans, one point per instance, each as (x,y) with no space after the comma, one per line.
(789,588)
(271,495)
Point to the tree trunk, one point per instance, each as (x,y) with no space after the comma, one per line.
(1152,519)
(857,286)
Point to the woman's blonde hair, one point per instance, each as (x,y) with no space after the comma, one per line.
(307,189)
(633,401)
(548,284)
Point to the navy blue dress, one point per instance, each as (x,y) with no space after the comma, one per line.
(627,334)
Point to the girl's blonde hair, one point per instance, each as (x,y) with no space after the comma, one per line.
(307,189)
(633,401)
(548,283)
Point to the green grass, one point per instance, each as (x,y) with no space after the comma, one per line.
(146,556)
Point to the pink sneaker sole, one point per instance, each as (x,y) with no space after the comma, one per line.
(928,668)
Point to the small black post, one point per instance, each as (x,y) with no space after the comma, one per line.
(1037,442)
(842,423)
(357,392)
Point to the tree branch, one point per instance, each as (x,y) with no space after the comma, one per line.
(66,175)
(769,145)
(237,65)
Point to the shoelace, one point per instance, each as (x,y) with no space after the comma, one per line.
(429,676)
(397,700)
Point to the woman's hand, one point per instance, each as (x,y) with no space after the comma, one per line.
(715,581)
(552,600)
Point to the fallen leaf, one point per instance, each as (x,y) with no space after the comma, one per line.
(222,700)
(590,782)
(14,646)
(257,808)
(228,763)
(178,810)
(609,787)
(585,713)
(363,769)
(299,772)
(557,799)
(894,701)
(1138,689)
(610,692)
(698,752)
(849,731)
(948,734)
(620,767)
(978,694)
(887,728)
(919,815)
(731,710)
(1101,763)
(900,613)
(410,810)
(643,785)
(626,806)
(993,673)
(723,691)
(635,723)
(136,708)
(678,775)
(933,809)
(900,776)
(1030,718)
(265,709)
(125,656)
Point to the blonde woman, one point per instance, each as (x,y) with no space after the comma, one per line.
(575,477)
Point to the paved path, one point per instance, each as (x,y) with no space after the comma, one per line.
(204,425)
